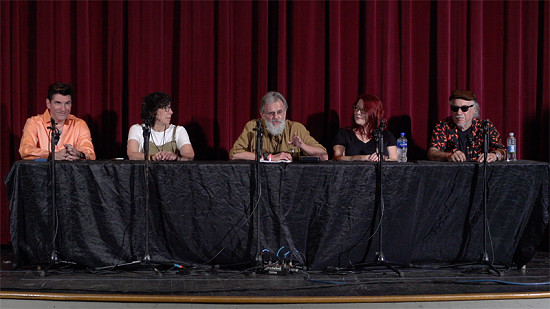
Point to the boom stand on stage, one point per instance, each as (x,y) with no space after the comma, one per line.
(54,255)
(380,258)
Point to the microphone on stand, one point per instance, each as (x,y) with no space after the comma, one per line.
(146,135)
(379,138)
(486,137)
(259,138)
(382,125)
(259,128)
(55,131)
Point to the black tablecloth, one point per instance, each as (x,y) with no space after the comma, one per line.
(323,214)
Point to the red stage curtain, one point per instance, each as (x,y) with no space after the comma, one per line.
(217,59)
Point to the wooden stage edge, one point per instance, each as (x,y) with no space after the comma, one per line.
(265,300)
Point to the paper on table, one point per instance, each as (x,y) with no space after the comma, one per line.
(278,161)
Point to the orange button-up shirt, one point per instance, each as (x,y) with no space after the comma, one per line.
(36,139)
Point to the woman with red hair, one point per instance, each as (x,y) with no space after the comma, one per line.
(357,143)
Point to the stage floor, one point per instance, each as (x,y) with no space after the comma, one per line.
(208,284)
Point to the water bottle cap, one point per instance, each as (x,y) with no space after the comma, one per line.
(402,133)
(511,134)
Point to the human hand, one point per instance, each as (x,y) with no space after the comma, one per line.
(296,141)
(372,157)
(457,156)
(61,154)
(491,157)
(281,156)
(165,156)
(71,153)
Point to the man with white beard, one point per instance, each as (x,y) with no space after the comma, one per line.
(459,138)
(283,139)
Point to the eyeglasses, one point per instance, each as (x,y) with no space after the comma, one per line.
(357,108)
(167,108)
(464,108)
(278,113)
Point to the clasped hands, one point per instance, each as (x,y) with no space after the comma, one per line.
(69,153)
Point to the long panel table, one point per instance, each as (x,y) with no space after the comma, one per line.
(323,214)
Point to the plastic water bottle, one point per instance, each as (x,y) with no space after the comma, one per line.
(402,148)
(511,143)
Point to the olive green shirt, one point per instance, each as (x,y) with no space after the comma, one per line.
(274,144)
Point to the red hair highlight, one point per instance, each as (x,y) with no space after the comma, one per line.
(373,111)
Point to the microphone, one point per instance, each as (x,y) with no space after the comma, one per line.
(382,125)
(146,136)
(486,125)
(259,128)
(55,131)
(259,139)
(486,137)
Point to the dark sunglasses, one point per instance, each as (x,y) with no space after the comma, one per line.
(464,108)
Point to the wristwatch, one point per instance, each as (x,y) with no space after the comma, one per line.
(497,154)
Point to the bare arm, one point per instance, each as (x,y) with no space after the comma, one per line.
(340,154)
(340,151)
(392,152)
(132,150)
(187,153)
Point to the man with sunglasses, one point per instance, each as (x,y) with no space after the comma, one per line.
(284,140)
(459,138)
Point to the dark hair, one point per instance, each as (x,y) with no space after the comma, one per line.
(151,103)
(374,111)
(59,88)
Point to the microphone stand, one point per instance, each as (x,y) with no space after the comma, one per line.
(484,256)
(484,259)
(380,258)
(259,146)
(54,139)
(147,255)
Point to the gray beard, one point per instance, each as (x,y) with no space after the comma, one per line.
(275,130)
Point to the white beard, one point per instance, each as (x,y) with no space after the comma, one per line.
(275,130)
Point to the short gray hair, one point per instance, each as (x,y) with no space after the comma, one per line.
(272,97)
(476,105)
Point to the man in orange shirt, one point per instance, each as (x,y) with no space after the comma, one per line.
(75,140)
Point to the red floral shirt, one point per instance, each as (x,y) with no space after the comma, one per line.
(445,137)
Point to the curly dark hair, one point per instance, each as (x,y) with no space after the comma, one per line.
(59,88)
(151,103)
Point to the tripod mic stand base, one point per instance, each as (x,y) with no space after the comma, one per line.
(147,261)
(54,261)
(380,260)
(483,263)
